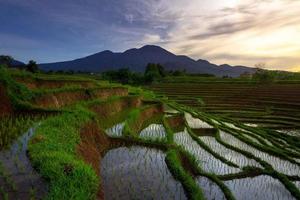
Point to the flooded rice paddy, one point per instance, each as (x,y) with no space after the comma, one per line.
(17,177)
(210,189)
(229,154)
(207,161)
(260,188)
(138,173)
(116,130)
(278,164)
(195,123)
(153,131)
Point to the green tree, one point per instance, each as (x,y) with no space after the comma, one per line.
(153,72)
(6,60)
(32,66)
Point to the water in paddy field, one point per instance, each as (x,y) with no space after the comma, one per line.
(229,154)
(153,131)
(210,189)
(206,160)
(116,130)
(138,173)
(292,132)
(195,123)
(260,188)
(24,182)
(278,164)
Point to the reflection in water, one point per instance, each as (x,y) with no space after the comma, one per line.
(229,154)
(260,188)
(207,161)
(210,189)
(154,131)
(280,165)
(138,173)
(195,123)
(116,130)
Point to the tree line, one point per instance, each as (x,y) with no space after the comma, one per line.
(31,66)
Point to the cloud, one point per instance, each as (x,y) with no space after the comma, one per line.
(234,32)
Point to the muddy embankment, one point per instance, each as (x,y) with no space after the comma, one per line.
(5,103)
(145,116)
(60,99)
(176,122)
(52,84)
(113,107)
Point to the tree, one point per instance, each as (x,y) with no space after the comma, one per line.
(6,60)
(154,72)
(32,66)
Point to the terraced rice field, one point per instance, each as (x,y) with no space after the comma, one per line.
(273,105)
(103,146)
(237,165)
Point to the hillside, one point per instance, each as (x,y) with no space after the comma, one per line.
(137,59)
(71,137)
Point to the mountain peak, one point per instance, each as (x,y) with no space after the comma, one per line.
(136,59)
(152,48)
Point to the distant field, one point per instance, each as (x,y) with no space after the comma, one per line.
(274,105)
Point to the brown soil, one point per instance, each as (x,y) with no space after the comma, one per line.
(108,109)
(145,115)
(176,123)
(108,92)
(93,146)
(205,131)
(52,84)
(60,99)
(5,105)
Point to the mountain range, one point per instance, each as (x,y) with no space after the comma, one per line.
(137,59)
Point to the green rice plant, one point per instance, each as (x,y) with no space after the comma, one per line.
(3,194)
(208,149)
(18,93)
(54,154)
(187,181)
(13,126)
(169,132)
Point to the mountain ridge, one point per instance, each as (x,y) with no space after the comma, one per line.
(136,59)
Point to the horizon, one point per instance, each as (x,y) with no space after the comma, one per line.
(234,33)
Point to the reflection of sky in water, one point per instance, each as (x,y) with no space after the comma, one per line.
(210,189)
(205,159)
(153,131)
(260,188)
(116,130)
(229,154)
(138,173)
(278,164)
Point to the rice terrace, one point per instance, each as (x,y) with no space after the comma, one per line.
(149,123)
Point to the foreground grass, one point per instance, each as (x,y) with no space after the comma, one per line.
(53,153)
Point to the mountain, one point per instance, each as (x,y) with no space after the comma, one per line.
(137,59)
(15,63)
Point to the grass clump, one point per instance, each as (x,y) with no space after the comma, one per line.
(13,126)
(53,153)
(18,93)
(187,181)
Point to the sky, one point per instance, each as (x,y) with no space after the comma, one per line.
(236,32)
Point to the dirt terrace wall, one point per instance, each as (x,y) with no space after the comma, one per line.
(92,148)
(145,115)
(60,99)
(111,108)
(176,122)
(52,84)
(5,104)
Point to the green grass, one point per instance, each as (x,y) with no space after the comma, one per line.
(187,181)
(18,93)
(53,153)
(13,126)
